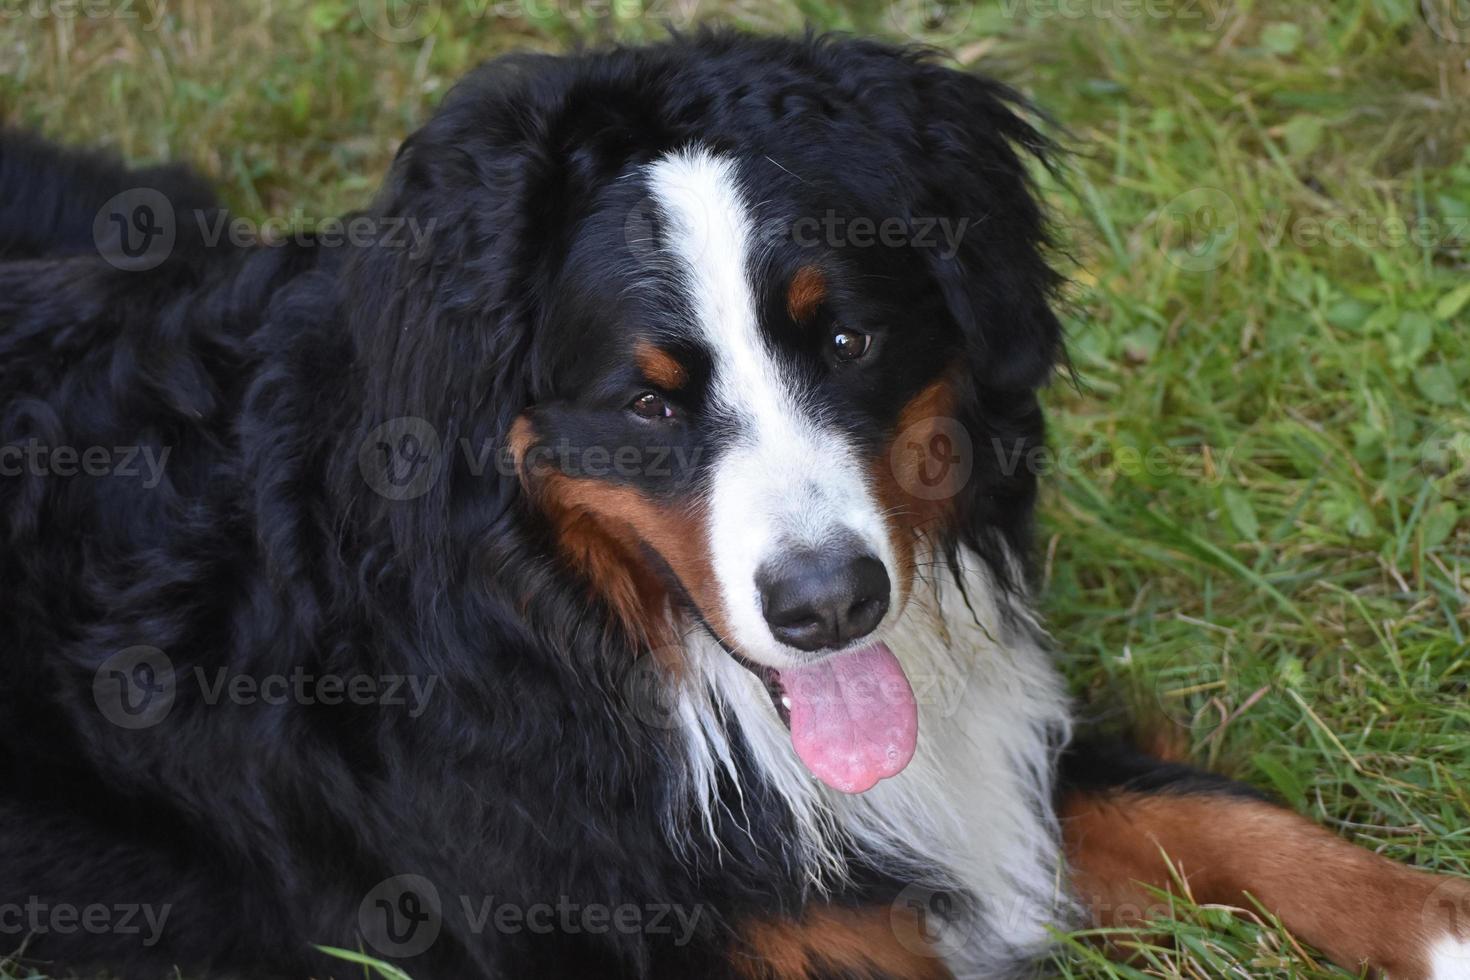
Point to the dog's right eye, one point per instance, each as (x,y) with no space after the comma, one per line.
(849,345)
(651,405)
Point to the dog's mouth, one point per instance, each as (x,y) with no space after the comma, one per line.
(852,715)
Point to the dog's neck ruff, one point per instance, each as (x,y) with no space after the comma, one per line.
(970,816)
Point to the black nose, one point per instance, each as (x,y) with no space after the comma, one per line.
(820,600)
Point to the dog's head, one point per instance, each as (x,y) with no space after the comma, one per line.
(761,323)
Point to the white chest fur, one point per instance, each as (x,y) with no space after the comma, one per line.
(974,806)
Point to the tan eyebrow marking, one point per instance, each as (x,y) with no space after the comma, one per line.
(606,532)
(807,290)
(660,367)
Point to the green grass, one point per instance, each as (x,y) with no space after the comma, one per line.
(1287,585)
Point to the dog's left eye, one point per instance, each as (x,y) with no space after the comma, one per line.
(849,345)
(651,405)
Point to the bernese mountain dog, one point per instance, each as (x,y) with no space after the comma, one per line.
(605,556)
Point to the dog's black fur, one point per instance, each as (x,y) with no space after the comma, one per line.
(264,371)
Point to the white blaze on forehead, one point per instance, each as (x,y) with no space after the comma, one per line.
(786,480)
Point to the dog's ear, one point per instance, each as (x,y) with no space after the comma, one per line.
(442,304)
(972,150)
(968,154)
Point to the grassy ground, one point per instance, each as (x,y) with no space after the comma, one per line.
(1258,527)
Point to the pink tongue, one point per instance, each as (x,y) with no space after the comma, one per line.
(853,717)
